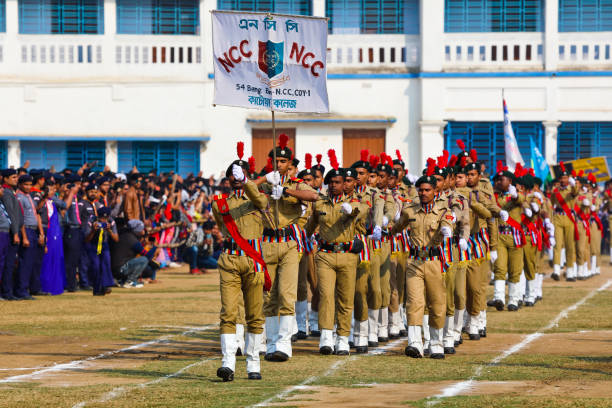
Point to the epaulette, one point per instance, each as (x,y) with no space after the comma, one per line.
(297,180)
(382,196)
(354,200)
(406,200)
(369,204)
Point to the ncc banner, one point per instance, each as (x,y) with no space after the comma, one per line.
(270,61)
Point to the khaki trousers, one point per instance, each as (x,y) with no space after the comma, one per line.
(425,277)
(397,281)
(475,274)
(237,282)
(595,241)
(530,259)
(582,245)
(336,275)
(564,237)
(460,287)
(509,259)
(367,287)
(282,261)
(385,274)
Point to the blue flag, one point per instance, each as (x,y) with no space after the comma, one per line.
(540,167)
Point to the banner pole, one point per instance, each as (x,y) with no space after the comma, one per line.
(275,166)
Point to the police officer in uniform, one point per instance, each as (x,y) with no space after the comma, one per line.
(11,205)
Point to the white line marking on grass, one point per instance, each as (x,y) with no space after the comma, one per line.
(79,363)
(120,391)
(332,369)
(457,388)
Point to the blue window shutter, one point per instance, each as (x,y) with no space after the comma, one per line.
(61,16)
(299,7)
(144,156)
(3,153)
(78,153)
(462,16)
(167,156)
(160,156)
(125,157)
(373,16)
(585,15)
(488,139)
(188,158)
(43,154)
(166,17)
(2,16)
(583,140)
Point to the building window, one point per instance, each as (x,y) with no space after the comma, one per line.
(163,157)
(44,154)
(3,153)
(300,7)
(579,140)
(462,16)
(158,17)
(373,16)
(79,153)
(2,16)
(61,16)
(585,15)
(488,139)
(355,140)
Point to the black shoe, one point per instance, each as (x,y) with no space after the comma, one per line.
(302,335)
(492,282)
(268,356)
(581,278)
(539,299)
(351,344)
(294,338)
(520,303)
(483,332)
(41,294)
(11,297)
(325,350)
(529,304)
(499,305)
(458,343)
(26,298)
(239,352)
(427,352)
(361,349)
(99,293)
(72,290)
(512,308)
(449,350)
(225,373)
(342,353)
(372,344)
(315,333)
(394,336)
(555,277)
(254,376)
(437,356)
(491,303)
(474,336)
(383,339)
(279,357)
(412,352)
(403,333)
(571,279)
(86,288)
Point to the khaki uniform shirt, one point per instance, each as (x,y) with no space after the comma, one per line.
(289,208)
(371,197)
(458,203)
(514,206)
(424,228)
(245,210)
(568,193)
(334,225)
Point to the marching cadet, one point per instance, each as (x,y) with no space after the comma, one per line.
(404,183)
(582,208)
(596,225)
(367,287)
(242,268)
(607,206)
(547,229)
(281,238)
(428,223)
(511,240)
(566,228)
(533,243)
(318,172)
(336,260)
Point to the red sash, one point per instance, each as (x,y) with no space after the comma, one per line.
(597,220)
(545,236)
(535,235)
(585,220)
(514,224)
(232,228)
(568,212)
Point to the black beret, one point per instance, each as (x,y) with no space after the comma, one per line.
(8,172)
(25,178)
(333,173)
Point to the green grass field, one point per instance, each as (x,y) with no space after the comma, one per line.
(72,350)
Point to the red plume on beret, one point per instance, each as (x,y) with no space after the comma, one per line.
(473,155)
(251,165)
(461,144)
(383,158)
(269,165)
(518,170)
(308,160)
(573,173)
(319,158)
(445,154)
(500,166)
(240,149)
(431,166)
(282,140)
(331,153)
(398,154)
(453,161)
(592,178)
(562,165)
(390,161)
(374,161)
(532,172)
(463,161)
(581,173)
(364,155)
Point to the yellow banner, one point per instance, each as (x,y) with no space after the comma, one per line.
(596,165)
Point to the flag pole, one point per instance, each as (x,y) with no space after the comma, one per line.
(274,161)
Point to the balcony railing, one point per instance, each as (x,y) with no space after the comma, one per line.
(374,51)
(578,50)
(493,51)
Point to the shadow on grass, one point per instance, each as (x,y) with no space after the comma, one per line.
(136,373)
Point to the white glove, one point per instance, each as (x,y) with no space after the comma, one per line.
(277,192)
(528,212)
(572,181)
(552,242)
(535,207)
(538,195)
(238,173)
(512,191)
(397,216)
(377,233)
(454,217)
(346,208)
(551,230)
(313,239)
(547,222)
(503,214)
(593,208)
(385,221)
(446,231)
(273,177)
(463,244)
(493,255)
(586,202)
(304,208)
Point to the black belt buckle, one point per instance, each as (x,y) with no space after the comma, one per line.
(337,247)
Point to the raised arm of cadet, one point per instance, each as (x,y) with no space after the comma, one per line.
(259,199)
(303,193)
(407,216)
(462,213)
(378,208)
(479,208)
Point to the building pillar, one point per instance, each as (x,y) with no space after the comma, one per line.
(206,34)
(318,8)
(12,57)
(110,31)
(551,35)
(112,155)
(432,35)
(432,139)
(202,156)
(551,129)
(13,154)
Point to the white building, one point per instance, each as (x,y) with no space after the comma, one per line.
(129,82)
